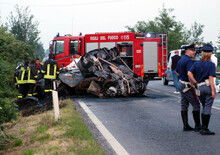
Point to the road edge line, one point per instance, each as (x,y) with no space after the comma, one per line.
(216,108)
(116,146)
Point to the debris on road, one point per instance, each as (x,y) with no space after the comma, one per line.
(103,73)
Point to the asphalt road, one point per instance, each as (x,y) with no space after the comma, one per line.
(152,125)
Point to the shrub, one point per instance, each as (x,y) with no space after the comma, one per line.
(7,111)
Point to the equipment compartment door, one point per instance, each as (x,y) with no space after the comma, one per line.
(150,57)
(91,46)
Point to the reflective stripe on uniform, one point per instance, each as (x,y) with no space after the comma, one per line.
(48,76)
(23,73)
(48,90)
(29,80)
(21,81)
(20,96)
(29,95)
(48,69)
(55,71)
(34,93)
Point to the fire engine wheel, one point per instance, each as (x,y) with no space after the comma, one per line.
(165,81)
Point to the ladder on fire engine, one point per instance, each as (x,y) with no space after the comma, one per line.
(164,50)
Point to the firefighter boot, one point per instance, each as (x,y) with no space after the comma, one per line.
(205,124)
(186,126)
(196,117)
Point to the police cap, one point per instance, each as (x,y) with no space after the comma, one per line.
(207,48)
(191,47)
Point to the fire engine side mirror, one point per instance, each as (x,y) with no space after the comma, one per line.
(141,45)
(51,47)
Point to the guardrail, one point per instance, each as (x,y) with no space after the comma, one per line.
(218,74)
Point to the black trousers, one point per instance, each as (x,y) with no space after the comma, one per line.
(48,85)
(23,90)
(31,89)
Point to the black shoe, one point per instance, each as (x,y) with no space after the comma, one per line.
(206,132)
(197,128)
(187,128)
(205,125)
(196,117)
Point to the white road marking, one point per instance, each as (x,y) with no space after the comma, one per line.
(157,91)
(217,108)
(107,135)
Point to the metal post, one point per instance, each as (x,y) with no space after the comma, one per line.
(55,102)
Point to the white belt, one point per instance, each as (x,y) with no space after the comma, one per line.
(203,83)
(186,83)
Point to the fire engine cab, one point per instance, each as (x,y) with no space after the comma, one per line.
(144,53)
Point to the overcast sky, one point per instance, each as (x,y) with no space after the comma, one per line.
(90,16)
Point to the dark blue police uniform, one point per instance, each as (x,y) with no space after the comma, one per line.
(201,71)
(188,95)
(183,66)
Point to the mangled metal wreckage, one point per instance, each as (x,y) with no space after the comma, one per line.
(103,73)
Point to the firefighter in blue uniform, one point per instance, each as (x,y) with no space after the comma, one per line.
(187,91)
(50,71)
(202,75)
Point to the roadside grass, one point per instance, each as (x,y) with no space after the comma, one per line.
(40,134)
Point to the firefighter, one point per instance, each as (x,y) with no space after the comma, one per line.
(21,79)
(32,75)
(50,70)
(40,79)
(186,89)
(202,74)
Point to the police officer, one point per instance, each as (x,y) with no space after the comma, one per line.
(50,70)
(186,89)
(202,74)
(21,79)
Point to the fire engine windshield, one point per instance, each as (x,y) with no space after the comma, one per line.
(58,46)
(74,46)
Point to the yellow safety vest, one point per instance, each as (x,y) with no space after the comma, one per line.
(20,79)
(48,75)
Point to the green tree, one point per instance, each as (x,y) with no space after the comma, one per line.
(166,22)
(12,51)
(22,25)
(218,54)
(218,41)
(193,35)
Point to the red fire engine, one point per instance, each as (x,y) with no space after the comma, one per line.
(145,54)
